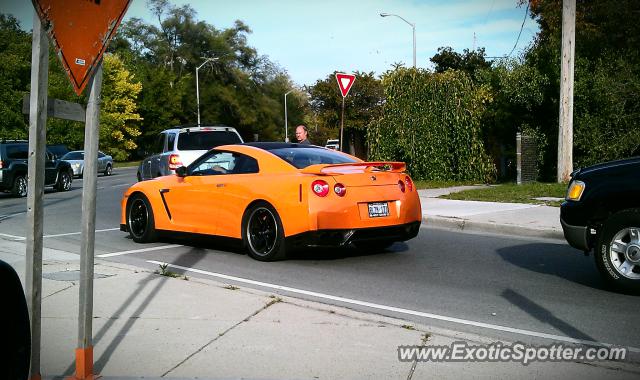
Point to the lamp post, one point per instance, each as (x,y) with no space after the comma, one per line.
(413,26)
(286,125)
(198,84)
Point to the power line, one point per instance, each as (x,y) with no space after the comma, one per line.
(526,12)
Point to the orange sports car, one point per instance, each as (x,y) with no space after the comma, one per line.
(275,196)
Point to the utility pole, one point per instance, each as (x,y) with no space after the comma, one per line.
(565,132)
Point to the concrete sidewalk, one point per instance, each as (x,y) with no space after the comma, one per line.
(151,326)
(502,218)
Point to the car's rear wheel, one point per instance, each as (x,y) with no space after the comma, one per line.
(140,221)
(262,233)
(618,251)
(108,170)
(19,186)
(139,177)
(64,181)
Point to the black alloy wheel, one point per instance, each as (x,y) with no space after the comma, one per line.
(263,234)
(140,220)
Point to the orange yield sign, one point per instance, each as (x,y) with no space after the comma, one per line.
(81,31)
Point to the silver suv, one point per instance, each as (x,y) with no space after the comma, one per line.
(181,146)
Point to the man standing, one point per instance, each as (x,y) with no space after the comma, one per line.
(302,134)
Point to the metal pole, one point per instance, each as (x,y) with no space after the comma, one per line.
(342,126)
(565,131)
(413,26)
(286,124)
(84,352)
(198,93)
(35,186)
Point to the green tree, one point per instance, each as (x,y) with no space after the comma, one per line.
(431,121)
(15,69)
(470,61)
(118,113)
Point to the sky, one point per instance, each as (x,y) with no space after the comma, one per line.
(312,39)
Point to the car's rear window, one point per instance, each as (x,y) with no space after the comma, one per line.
(206,140)
(17,152)
(73,156)
(303,157)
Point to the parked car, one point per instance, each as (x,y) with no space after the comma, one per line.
(602,213)
(274,196)
(333,144)
(76,159)
(181,146)
(14,166)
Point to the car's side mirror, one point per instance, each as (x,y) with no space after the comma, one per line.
(181,171)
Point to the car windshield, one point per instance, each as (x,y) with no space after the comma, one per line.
(303,157)
(73,156)
(206,140)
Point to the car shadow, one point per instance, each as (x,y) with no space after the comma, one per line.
(294,253)
(340,253)
(555,260)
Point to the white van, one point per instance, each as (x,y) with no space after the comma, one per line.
(181,146)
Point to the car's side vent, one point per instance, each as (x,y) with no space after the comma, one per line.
(164,201)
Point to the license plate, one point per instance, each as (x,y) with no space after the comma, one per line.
(378,209)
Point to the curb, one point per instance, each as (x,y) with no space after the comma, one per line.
(501,229)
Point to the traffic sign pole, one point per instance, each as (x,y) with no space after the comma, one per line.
(35,187)
(345,81)
(342,125)
(84,352)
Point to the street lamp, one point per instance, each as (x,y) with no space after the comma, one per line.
(198,84)
(286,126)
(413,26)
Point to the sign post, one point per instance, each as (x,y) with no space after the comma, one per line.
(35,187)
(84,352)
(345,81)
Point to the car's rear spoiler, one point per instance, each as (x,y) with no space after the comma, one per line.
(337,169)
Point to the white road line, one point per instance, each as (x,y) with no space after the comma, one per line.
(397,309)
(12,237)
(79,233)
(139,250)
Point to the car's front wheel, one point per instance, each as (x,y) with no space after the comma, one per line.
(64,181)
(618,251)
(140,221)
(108,170)
(262,233)
(19,186)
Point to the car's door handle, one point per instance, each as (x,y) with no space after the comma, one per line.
(157,159)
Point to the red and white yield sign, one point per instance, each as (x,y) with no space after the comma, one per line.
(81,31)
(345,81)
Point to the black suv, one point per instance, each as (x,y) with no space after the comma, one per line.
(13,169)
(602,212)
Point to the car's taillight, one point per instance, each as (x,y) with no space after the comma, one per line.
(0,164)
(339,189)
(409,183)
(320,188)
(401,186)
(174,161)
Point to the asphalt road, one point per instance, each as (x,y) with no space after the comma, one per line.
(528,285)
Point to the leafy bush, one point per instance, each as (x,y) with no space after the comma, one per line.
(432,122)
